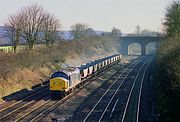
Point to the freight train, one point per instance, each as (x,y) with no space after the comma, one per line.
(66,80)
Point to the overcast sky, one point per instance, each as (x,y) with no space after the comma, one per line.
(98,14)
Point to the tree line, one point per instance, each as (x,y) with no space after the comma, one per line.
(79,31)
(33,24)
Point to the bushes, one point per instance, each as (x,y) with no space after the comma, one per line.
(169,77)
(169,66)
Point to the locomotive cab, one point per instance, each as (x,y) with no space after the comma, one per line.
(64,81)
(58,84)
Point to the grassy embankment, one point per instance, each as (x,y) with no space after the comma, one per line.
(30,67)
(169,77)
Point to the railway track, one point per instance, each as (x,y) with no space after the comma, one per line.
(11,111)
(132,107)
(32,107)
(112,106)
(115,75)
(97,113)
(77,99)
(5,105)
(122,99)
(96,94)
(40,111)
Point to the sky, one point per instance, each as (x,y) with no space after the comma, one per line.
(98,14)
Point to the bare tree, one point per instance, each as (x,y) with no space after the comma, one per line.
(31,23)
(33,17)
(78,30)
(13,30)
(51,27)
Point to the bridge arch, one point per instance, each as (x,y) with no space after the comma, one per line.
(134,48)
(151,48)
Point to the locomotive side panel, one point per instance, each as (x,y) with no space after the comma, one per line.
(74,80)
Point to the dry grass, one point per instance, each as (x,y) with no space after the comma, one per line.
(29,67)
(23,79)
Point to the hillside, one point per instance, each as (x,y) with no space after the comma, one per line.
(28,68)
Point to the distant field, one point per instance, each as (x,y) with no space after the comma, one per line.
(5,47)
(8,49)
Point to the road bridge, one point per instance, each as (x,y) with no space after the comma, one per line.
(143,41)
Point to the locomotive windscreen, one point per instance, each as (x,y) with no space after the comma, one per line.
(60,74)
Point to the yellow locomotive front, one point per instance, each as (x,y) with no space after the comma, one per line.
(64,81)
(59,83)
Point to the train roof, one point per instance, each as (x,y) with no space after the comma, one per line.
(85,66)
(70,70)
